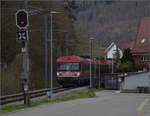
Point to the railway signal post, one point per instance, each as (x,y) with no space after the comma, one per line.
(22,19)
(22,35)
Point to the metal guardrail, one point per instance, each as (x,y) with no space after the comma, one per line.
(33,94)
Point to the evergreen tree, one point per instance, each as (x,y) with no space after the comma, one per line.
(127,62)
(127,56)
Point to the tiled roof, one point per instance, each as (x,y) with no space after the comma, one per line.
(121,45)
(110,46)
(142,44)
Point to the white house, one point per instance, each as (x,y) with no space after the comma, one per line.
(111,51)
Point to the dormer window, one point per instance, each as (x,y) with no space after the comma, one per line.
(143,40)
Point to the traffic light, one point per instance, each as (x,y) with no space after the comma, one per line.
(22,19)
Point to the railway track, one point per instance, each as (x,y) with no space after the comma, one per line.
(33,94)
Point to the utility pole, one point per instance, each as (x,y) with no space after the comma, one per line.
(51,44)
(149,59)
(46,66)
(67,38)
(91,45)
(112,65)
(99,73)
(99,81)
(95,70)
(67,35)
(67,21)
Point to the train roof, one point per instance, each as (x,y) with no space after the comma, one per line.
(71,59)
(81,59)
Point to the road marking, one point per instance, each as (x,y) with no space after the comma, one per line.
(143,104)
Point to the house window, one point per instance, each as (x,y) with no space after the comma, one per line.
(144,58)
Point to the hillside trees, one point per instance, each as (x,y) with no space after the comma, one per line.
(83,43)
(70,18)
(11,49)
(112,20)
(9,46)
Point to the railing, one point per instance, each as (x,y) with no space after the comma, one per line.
(33,94)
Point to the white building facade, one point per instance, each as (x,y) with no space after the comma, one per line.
(112,50)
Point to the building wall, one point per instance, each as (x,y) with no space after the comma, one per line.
(134,81)
(137,61)
(141,47)
(140,65)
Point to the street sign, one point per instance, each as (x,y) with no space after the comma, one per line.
(22,35)
(22,19)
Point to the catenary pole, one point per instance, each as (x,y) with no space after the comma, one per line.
(99,72)
(90,64)
(51,44)
(112,65)
(91,45)
(46,65)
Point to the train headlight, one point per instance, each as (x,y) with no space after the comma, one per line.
(78,73)
(59,74)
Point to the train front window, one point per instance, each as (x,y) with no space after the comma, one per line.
(63,66)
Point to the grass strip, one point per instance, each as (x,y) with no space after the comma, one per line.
(81,94)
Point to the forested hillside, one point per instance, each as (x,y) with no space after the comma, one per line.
(106,21)
(11,56)
(113,20)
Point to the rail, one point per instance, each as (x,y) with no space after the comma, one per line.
(33,94)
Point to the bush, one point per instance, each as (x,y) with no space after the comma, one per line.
(126,67)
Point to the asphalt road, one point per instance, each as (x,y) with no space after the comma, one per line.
(106,103)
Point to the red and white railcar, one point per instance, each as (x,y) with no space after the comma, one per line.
(75,70)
